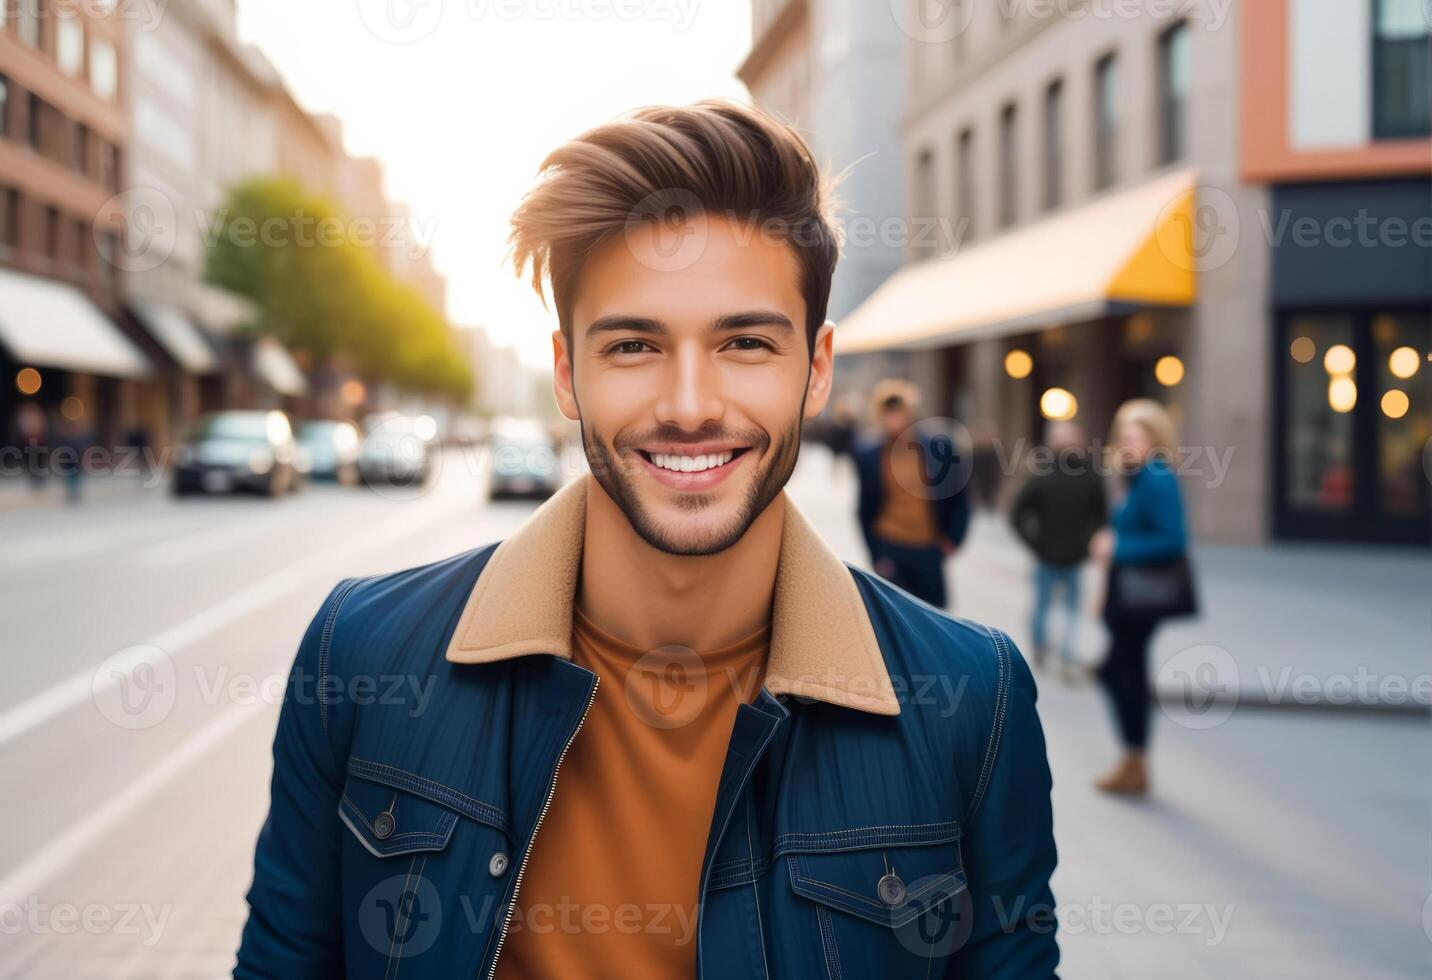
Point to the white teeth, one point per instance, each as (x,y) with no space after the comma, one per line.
(691,464)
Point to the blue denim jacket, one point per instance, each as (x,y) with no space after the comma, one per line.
(883,810)
(945,478)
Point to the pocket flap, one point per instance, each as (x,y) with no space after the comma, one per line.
(390,820)
(885,875)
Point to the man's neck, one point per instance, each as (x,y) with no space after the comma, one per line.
(652,599)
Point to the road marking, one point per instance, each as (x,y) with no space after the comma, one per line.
(23,882)
(78,688)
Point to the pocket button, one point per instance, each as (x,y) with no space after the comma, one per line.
(383,825)
(890,889)
(497,865)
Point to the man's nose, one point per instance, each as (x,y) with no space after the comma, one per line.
(691,396)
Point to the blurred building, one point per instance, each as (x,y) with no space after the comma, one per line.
(505,385)
(63,132)
(1336,122)
(1105,211)
(834,70)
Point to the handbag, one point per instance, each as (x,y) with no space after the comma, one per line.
(1163,590)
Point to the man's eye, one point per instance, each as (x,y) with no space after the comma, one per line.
(757,341)
(627,347)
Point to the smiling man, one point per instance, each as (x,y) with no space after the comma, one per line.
(671,733)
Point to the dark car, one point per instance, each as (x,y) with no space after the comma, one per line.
(249,450)
(328,450)
(524,463)
(396,451)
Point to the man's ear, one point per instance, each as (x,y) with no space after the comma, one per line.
(562,377)
(822,369)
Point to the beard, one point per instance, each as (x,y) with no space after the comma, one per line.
(775,460)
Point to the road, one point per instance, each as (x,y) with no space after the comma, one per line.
(147,640)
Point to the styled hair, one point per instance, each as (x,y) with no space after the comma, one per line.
(670,164)
(1154,419)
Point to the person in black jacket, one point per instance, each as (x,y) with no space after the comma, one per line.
(1057,513)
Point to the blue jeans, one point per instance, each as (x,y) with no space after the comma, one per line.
(1048,578)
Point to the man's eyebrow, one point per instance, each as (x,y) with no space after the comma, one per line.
(621,323)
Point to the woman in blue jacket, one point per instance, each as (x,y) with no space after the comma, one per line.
(1146,528)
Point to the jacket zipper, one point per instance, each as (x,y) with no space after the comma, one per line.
(546,804)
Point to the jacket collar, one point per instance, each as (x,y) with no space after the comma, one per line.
(823,645)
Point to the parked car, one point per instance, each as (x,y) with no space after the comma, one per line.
(396,452)
(238,450)
(524,463)
(328,450)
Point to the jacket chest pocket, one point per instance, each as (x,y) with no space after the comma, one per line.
(884,900)
(425,870)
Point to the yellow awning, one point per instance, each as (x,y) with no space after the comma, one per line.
(1129,249)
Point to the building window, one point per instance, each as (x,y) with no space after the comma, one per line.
(9,217)
(1399,70)
(70,45)
(27,22)
(108,243)
(81,247)
(104,70)
(1008,165)
(80,146)
(1173,93)
(1054,144)
(52,233)
(109,165)
(924,242)
(4,100)
(965,183)
(35,125)
(1106,121)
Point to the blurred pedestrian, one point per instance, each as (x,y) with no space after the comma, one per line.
(1146,549)
(985,474)
(32,434)
(913,510)
(74,440)
(840,437)
(1056,513)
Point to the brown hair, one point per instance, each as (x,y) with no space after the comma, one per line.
(665,163)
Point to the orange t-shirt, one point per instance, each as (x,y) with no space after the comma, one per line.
(610,888)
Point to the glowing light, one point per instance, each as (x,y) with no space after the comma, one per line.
(1018,364)
(1342,394)
(277,427)
(353,392)
(1303,350)
(1395,403)
(1168,371)
(1404,362)
(1339,360)
(426,428)
(73,408)
(28,381)
(1058,404)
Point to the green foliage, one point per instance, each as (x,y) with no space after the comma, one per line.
(318,290)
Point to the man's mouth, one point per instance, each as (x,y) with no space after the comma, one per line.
(688,463)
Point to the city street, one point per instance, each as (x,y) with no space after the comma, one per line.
(1277,843)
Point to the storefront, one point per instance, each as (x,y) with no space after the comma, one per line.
(1352,380)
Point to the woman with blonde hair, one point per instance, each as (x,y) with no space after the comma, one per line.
(1146,549)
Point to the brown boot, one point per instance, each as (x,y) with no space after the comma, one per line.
(1129,778)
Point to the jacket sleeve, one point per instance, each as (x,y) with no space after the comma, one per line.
(1162,536)
(294,926)
(1008,842)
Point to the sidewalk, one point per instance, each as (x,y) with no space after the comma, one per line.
(1282,625)
(17,493)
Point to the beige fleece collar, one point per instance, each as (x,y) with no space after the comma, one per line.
(823,645)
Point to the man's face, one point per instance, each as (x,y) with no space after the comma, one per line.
(895,420)
(691,378)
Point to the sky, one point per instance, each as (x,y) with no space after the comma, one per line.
(461,100)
